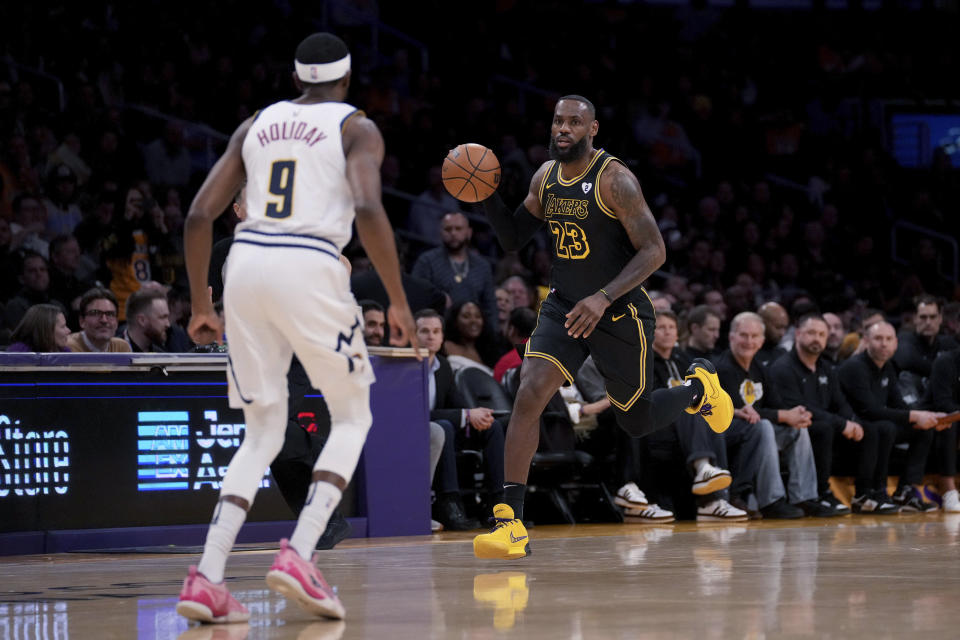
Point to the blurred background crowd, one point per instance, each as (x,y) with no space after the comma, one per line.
(805,156)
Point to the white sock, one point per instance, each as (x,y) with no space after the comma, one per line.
(700,463)
(322,500)
(227,520)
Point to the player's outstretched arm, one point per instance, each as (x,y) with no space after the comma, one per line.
(515,229)
(215,194)
(364,149)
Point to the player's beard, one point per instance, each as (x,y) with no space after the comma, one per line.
(571,154)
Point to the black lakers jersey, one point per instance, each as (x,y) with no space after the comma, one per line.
(590,246)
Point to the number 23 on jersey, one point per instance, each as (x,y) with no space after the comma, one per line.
(571,241)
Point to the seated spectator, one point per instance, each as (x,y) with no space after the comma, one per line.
(430,206)
(473,427)
(869,381)
(148,320)
(374,321)
(29,225)
(504,307)
(469,342)
(35,280)
(456,269)
(43,329)
(759,406)
(660,301)
(698,442)
(66,285)
(917,349)
(520,325)
(775,325)
(802,377)
(521,291)
(853,342)
(831,353)
(703,325)
(63,212)
(943,394)
(98,324)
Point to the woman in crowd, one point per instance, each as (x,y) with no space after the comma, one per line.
(43,329)
(469,342)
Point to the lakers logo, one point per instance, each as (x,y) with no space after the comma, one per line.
(674,382)
(751,391)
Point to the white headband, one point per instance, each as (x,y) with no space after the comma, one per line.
(324,71)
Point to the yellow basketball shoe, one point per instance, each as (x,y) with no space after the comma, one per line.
(715,406)
(507,540)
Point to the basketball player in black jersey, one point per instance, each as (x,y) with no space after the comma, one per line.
(605,244)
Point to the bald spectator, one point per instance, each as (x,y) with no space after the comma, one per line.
(703,325)
(918,348)
(869,381)
(835,335)
(148,320)
(98,324)
(459,271)
(759,406)
(775,325)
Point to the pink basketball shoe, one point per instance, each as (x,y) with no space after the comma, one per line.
(204,601)
(295,578)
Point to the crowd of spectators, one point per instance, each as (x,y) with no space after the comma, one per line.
(759,138)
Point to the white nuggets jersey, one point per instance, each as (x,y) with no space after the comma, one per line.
(297,187)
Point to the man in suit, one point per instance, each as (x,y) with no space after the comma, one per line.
(465,427)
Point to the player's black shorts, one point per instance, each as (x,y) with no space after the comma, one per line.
(621,344)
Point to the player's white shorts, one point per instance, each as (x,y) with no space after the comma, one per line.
(280,300)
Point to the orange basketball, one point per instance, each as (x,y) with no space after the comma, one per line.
(470,172)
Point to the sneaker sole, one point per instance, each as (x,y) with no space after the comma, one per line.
(626,504)
(715,483)
(202,613)
(289,587)
(742,518)
(498,551)
(642,520)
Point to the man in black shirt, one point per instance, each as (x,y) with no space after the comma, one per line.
(918,348)
(705,451)
(759,406)
(703,325)
(943,394)
(803,378)
(869,381)
(776,321)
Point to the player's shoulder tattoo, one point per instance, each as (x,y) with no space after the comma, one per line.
(624,187)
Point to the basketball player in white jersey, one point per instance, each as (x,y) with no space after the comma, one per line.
(310,166)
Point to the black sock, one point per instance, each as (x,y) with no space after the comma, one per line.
(513,496)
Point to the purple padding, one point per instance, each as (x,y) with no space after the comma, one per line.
(395,473)
(22,543)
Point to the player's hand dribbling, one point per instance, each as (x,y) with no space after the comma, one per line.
(585,315)
(403,327)
(205,324)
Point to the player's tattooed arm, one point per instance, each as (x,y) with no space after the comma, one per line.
(622,190)
(515,229)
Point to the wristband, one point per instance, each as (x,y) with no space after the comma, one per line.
(606,295)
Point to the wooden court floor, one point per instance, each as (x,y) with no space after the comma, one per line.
(855,577)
